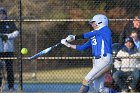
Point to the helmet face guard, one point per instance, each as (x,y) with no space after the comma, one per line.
(100,20)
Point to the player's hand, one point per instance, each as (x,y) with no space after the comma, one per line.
(70,38)
(4,38)
(64,42)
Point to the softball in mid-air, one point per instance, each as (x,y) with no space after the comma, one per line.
(24,51)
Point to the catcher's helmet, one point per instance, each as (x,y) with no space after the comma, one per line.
(2,10)
(100,19)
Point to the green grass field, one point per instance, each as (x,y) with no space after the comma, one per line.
(70,75)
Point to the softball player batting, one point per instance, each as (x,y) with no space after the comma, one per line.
(100,41)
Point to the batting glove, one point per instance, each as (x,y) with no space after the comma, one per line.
(70,38)
(64,42)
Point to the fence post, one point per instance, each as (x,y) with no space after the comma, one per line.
(20,45)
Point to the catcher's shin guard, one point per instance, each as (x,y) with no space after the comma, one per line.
(84,89)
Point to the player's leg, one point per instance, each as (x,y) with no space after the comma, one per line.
(9,69)
(85,84)
(92,75)
(84,88)
(135,79)
(2,75)
(100,67)
(99,84)
(88,79)
(1,67)
(10,74)
(119,77)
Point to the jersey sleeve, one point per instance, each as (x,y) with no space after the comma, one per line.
(13,33)
(90,34)
(84,46)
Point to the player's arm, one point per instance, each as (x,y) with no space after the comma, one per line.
(70,38)
(14,31)
(65,42)
(9,36)
(84,46)
(77,47)
(13,35)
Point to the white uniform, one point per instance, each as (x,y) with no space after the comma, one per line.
(100,40)
(96,74)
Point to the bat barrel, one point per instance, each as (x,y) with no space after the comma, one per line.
(40,53)
(43,52)
(35,56)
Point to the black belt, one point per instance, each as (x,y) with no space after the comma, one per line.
(98,57)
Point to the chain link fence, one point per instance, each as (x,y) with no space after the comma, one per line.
(45,23)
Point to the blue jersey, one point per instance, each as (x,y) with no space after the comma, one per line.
(100,41)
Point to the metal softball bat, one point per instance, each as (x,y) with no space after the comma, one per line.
(47,50)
